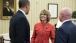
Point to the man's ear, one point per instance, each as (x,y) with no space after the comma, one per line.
(26,6)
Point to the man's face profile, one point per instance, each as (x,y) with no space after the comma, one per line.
(7,3)
(28,8)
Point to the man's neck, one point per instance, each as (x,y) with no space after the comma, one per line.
(66,20)
(22,12)
(23,9)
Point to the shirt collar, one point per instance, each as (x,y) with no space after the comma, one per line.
(66,21)
(23,12)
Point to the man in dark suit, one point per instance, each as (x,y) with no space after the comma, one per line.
(67,31)
(19,30)
(7,11)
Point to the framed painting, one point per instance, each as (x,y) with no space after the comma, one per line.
(53,8)
(7,9)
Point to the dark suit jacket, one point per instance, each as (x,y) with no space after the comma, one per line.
(66,33)
(7,13)
(19,30)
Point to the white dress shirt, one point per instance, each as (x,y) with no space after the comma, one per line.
(8,9)
(59,23)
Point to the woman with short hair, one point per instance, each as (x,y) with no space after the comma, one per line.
(43,30)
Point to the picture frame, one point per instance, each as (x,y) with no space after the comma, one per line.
(7,9)
(53,9)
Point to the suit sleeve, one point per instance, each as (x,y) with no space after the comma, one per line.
(61,36)
(33,36)
(52,36)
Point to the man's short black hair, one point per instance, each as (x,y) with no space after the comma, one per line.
(23,3)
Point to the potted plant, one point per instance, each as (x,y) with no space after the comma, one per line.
(74,14)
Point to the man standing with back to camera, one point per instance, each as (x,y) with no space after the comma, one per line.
(19,30)
(67,31)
